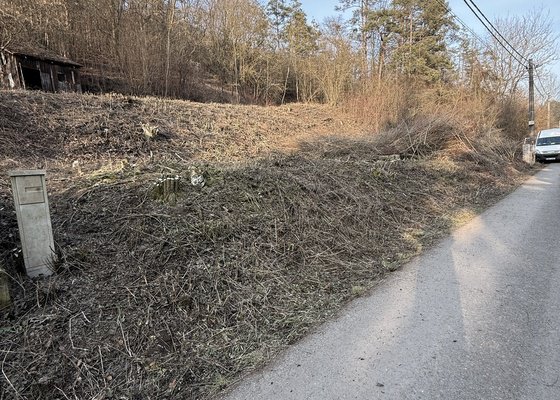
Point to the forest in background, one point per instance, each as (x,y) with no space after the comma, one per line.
(386,60)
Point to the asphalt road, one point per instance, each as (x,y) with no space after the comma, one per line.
(476,317)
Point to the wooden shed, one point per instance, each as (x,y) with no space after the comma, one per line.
(39,69)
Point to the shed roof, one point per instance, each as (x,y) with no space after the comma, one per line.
(40,54)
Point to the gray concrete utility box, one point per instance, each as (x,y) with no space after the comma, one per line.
(34,221)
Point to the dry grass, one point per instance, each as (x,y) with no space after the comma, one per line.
(167,300)
(42,129)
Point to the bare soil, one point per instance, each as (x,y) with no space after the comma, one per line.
(177,298)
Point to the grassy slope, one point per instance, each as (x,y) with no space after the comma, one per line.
(157,299)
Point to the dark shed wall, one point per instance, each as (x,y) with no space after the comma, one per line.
(66,78)
(53,77)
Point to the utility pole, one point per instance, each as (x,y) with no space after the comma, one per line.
(548,107)
(531,99)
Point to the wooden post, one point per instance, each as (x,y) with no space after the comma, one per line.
(21,76)
(53,83)
(548,117)
(531,99)
(4,290)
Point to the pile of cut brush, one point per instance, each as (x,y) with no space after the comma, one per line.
(160,299)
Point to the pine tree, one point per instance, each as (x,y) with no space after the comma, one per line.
(361,27)
(301,39)
(278,12)
(423,28)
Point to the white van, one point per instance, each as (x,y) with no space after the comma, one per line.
(547,146)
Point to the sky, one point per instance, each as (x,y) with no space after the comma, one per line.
(318,10)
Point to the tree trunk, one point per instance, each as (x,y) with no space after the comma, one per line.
(286,85)
(169,23)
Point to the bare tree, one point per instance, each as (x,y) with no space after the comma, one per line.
(336,62)
(533,35)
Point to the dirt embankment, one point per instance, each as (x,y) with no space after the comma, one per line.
(175,298)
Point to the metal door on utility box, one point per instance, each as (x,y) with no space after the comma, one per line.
(34,221)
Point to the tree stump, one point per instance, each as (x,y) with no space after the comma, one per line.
(166,188)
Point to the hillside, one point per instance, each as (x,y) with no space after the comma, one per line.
(161,298)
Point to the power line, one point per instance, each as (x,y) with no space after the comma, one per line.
(492,33)
(498,32)
(463,23)
(544,96)
(530,66)
(547,96)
